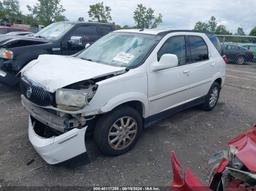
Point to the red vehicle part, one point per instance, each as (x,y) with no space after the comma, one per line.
(221,167)
(225,58)
(245,144)
(186,181)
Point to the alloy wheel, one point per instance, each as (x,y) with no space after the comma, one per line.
(214,97)
(122,133)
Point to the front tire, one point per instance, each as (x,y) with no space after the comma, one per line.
(118,131)
(212,97)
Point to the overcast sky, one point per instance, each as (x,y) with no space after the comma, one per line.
(177,14)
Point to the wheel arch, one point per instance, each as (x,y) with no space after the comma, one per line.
(138,102)
(219,81)
(137,105)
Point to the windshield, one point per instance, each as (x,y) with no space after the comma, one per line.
(54,31)
(120,49)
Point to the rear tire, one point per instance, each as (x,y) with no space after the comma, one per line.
(118,131)
(212,97)
(240,60)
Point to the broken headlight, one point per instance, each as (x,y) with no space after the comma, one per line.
(68,99)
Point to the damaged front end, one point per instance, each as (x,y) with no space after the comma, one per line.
(56,135)
(58,103)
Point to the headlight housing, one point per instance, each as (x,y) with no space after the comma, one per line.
(6,54)
(69,99)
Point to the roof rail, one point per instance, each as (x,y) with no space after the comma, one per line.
(171,31)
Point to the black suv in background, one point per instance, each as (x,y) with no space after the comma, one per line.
(63,38)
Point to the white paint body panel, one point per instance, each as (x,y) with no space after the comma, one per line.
(176,86)
(53,72)
(156,91)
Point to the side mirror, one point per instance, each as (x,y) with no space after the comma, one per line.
(165,62)
(76,41)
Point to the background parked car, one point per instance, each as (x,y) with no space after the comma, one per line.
(6,29)
(236,54)
(63,38)
(251,47)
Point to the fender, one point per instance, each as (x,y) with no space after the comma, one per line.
(127,97)
(217,76)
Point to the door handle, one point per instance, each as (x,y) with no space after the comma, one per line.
(213,64)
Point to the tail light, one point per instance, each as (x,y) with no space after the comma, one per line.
(6,54)
(225,59)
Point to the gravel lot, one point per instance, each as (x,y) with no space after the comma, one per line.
(193,134)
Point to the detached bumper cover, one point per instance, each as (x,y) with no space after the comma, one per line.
(61,148)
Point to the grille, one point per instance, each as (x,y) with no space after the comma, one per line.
(36,94)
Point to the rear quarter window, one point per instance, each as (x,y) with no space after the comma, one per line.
(215,41)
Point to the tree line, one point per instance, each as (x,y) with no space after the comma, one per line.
(45,12)
(213,27)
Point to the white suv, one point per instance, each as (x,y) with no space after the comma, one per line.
(115,88)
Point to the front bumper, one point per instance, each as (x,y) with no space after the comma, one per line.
(60,148)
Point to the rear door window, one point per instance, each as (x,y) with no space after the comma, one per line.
(198,49)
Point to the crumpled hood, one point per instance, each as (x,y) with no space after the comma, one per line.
(245,144)
(53,72)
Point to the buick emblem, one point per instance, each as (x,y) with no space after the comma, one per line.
(29,92)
